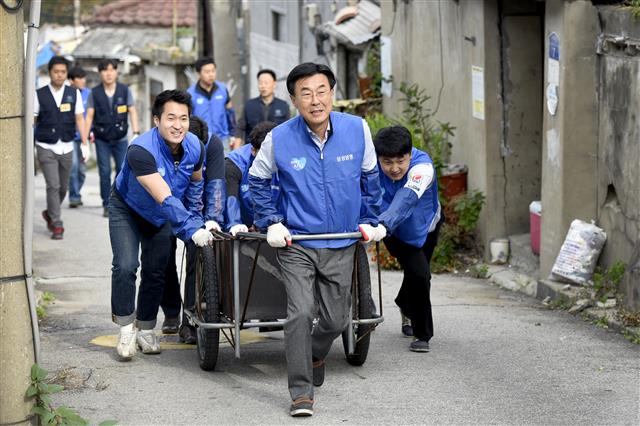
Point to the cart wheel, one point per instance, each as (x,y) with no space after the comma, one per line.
(364,307)
(207,307)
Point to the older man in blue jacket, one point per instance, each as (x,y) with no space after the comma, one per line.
(328,175)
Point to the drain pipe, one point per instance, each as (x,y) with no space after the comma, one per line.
(30,90)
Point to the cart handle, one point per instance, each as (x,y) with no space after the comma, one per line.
(305,237)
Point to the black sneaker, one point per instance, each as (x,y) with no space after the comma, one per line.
(187,334)
(75,204)
(407,330)
(170,325)
(419,346)
(318,372)
(105,212)
(301,407)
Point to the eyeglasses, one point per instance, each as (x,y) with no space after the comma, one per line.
(307,96)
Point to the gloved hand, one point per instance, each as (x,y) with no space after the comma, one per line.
(380,232)
(372,233)
(238,228)
(278,235)
(202,237)
(85,151)
(367,232)
(212,225)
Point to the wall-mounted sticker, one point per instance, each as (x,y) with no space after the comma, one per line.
(553,67)
(552,98)
(477,92)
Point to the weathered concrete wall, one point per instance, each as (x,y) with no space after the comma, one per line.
(619,150)
(570,137)
(435,44)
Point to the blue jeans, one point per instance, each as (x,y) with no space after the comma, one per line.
(78,173)
(104,151)
(128,237)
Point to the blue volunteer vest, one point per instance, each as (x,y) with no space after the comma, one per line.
(320,191)
(211,110)
(177,176)
(242,158)
(56,123)
(414,229)
(110,122)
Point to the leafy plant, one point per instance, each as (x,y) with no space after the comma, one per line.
(184,32)
(634,5)
(45,300)
(48,415)
(605,283)
(479,271)
(374,69)
(387,261)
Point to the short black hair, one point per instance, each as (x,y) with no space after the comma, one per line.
(259,132)
(394,141)
(178,96)
(104,64)
(204,61)
(199,127)
(307,70)
(58,60)
(77,72)
(267,71)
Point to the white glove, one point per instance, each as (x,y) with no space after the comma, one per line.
(85,151)
(238,228)
(202,237)
(367,232)
(212,225)
(278,235)
(381,232)
(133,138)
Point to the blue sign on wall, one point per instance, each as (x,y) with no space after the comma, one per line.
(554,46)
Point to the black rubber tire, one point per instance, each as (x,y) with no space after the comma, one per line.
(364,309)
(207,307)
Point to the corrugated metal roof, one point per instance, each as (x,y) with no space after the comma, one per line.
(118,42)
(359,29)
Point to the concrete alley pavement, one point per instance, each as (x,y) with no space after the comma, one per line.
(497,357)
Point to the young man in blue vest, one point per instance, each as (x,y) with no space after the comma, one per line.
(109,108)
(78,79)
(328,176)
(411,214)
(213,206)
(161,173)
(58,112)
(265,107)
(211,102)
(239,211)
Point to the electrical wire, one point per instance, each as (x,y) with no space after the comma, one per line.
(12,9)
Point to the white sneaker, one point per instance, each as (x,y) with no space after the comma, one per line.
(148,342)
(126,342)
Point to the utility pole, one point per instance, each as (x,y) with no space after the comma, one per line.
(17,352)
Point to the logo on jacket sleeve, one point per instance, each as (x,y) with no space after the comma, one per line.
(200,101)
(415,182)
(298,163)
(161,171)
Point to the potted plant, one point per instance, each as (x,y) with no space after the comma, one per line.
(185,38)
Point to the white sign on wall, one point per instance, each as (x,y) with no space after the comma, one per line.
(477,92)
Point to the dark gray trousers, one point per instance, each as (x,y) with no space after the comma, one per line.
(313,278)
(56,170)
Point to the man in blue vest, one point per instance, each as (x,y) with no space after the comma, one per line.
(59,111)
(78,79)
(265,107)
(211,102)
(239,209)
(161,173)
(109,107)
(412,215)
(328,176)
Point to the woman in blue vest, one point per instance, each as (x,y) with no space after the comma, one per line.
(411,213)
(239,209)
(328,176)
(213,205)
(161,173)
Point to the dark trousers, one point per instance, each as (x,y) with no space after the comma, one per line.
(171,299)
(104,151)
(127,241)
(414,296)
